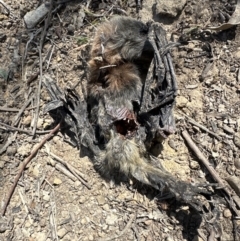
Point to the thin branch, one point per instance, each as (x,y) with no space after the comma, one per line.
(193,122)
(24,164)
(12,128)
(211,170)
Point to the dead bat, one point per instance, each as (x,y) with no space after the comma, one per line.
(130,96)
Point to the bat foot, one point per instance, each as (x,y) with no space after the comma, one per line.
(164,132)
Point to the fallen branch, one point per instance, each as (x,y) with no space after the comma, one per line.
(12,128)
(211,170)
(193,122)
(24,164)
(72,169)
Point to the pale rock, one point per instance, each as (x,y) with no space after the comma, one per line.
(61,232)
(57,181)
(111,219)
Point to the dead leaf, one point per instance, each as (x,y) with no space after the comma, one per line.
(234,20)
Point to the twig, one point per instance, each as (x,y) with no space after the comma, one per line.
(38,94)
(214,174)
(17,117)
(24,164)
(8,127)
(190,120)
(9,109)
(5,6)
(62,169)
(108,66)
(8,142)
(32,77)
(72,169)
(47,22)
(25,206)
(128,226)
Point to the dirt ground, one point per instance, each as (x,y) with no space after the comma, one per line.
(51,204)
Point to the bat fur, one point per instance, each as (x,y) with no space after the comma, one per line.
(114,90)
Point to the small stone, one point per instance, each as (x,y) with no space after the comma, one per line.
(36,171)
(82,199)
(227,213)
(197,238)
(2,164)
(71,29)
(194,165)
(2,17)
(27,224)
(83,221)
(46,196)
(61,232)
(237,139)
(228,129)
(106,207)
(221,108)
(40,236)
(148,222)
(237,163)
(90,237)
(171,7)
(24,150)
(101,200)
(11,150)
(57,181)
(181,101)
(39,123)
(27,120)
(111,219)
(77,184)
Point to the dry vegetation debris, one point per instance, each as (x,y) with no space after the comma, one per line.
(59,196)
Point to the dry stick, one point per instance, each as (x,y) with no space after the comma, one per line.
(38,95)
(193,122)
(24,164)
(128,226)
(214,174)
(8,127)
(72,169)
(17,117)
(9,109)
(25,206)
(5,5)
(47,21)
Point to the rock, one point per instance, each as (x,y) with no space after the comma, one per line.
(194,165)
(101,200)
(237,163)
(197,238)
(227,213)
(40,236)
(27,120)
(82,200)
(46,196)
(36,171)
(57,181)
(111,219)
(11,150)
(171,7)
(61,232)
(237,139)
(24,150)
(234,183)
(90,238)
(181,101)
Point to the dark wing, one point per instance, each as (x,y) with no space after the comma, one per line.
(160,87)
